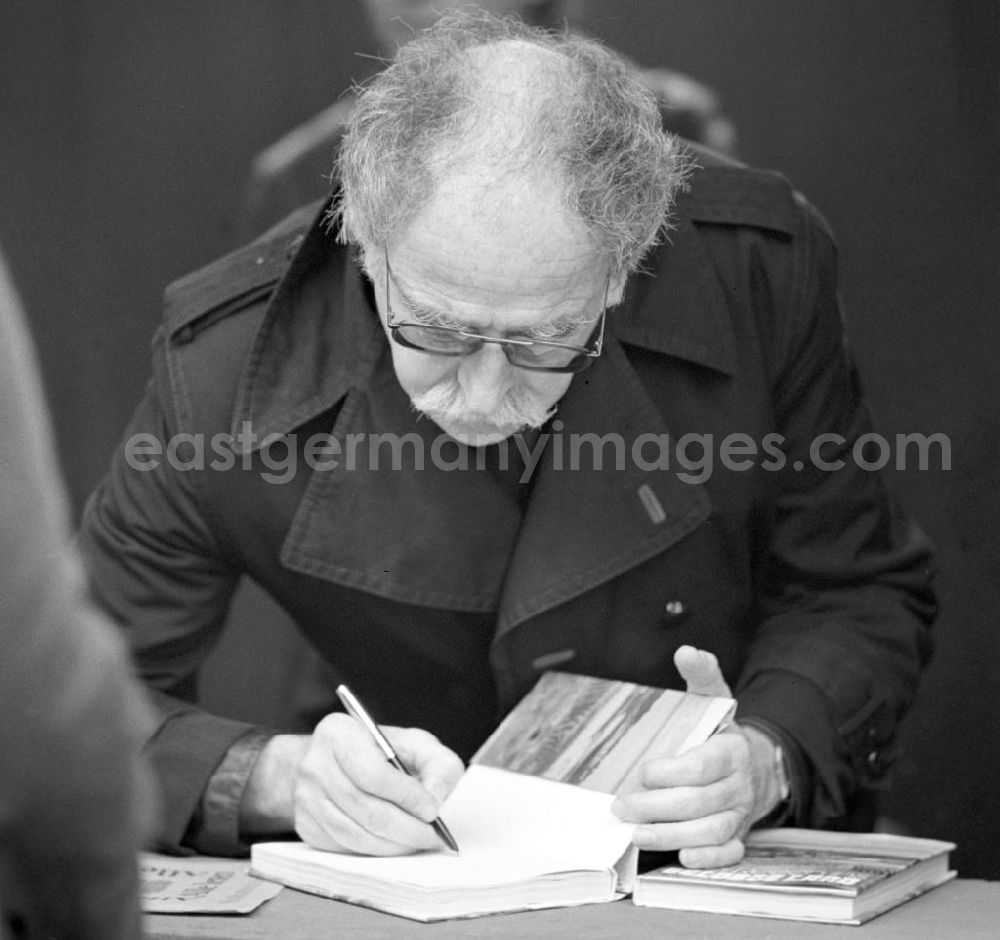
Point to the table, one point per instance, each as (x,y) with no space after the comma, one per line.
(959,910)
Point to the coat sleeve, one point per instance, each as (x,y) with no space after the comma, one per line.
(156,568)
(845,603)
(74,800)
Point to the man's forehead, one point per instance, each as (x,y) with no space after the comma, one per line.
(448,271)
(502,299)
(515,229)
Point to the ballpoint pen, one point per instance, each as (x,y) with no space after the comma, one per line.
(357,711)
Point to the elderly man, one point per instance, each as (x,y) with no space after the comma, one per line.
(457,453)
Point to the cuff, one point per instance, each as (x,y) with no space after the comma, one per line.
(215,828)
(799,716)
(791,772)
(185,751)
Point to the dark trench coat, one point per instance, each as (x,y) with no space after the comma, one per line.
(808,583)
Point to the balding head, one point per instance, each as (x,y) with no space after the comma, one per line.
(501,182)
(478,97)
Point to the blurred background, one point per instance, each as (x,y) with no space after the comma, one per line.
(127,132)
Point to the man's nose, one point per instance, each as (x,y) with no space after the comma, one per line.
(485,377)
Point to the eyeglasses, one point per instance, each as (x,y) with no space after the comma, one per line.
(535,355)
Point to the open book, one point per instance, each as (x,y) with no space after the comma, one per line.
(800,874)
(532,814)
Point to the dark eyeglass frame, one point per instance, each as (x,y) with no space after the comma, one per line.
(585,354)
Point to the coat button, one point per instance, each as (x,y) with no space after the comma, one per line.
(674,608)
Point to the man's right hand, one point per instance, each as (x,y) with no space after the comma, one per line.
(338,792)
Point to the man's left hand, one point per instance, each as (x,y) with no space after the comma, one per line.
(704,801)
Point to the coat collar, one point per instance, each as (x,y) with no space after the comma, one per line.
(320,337)
(593,521)
(676,305)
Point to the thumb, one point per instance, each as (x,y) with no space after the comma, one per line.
(700,670)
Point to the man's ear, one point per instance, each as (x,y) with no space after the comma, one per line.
(372,261)
(616,288)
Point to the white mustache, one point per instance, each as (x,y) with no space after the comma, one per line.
(446,403)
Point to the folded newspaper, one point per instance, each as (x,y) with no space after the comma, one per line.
(173,885)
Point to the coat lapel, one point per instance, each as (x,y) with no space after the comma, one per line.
(586,524)
(319,338)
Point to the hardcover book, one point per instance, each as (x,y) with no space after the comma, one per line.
(596,733)
(801,874)
(531,815)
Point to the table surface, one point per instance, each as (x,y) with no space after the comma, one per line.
(958,910)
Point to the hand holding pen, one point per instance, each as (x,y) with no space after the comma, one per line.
(337,790)
(358,711)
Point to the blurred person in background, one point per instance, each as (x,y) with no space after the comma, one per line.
(295,169)
(74,800)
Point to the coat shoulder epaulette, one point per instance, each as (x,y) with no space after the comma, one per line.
(235,281)
(726,192)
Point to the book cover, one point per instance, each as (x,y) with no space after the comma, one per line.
(532,814)
(803,874)
(595,733)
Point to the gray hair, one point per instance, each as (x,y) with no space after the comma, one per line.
(593,129)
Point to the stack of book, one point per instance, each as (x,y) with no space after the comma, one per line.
(532,816)
(801,874)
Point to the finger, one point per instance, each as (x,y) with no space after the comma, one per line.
(345,742)
(718,757)
(323,825)
(678,803)
(345,767)
(713,856)
(378,825)
(714,830)
(437,767)
(372,776)
(700,670)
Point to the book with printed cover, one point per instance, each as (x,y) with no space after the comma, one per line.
(532,813)
(802,874)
